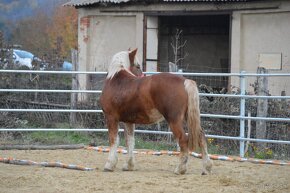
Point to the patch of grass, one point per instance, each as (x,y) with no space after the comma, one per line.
(261,153)
(219,148)
(213,149)
(152,145)
(58,137)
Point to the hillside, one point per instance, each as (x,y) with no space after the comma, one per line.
(12,11)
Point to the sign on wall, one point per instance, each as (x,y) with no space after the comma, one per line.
(272,61)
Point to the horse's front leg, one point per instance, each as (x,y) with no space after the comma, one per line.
(114,142)
(130,143)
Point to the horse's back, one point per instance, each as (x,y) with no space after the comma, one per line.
(145,100)
(167,79)
(166,84)
(169,94)
(127,99)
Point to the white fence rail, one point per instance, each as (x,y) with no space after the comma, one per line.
(241,138)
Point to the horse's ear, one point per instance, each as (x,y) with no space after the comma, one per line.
(129,49)
(132,54)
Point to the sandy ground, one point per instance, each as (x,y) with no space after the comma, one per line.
(154,174)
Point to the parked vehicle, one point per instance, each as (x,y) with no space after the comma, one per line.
(22,58)
(67,66)
(25,58)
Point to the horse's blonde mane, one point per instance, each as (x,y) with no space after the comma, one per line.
(120,61)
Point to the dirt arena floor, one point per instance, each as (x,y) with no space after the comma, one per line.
(154,174)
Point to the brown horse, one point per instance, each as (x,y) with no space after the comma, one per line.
(131,99)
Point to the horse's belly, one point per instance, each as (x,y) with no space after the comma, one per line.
(151,116)
(155,116)
(144,117)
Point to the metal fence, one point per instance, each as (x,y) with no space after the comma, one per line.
(241,117)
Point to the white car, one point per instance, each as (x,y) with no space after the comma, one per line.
(23,58)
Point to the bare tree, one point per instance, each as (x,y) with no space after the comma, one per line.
(177,44)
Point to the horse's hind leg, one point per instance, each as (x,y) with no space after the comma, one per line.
(114,142)
(206,162)
(130,142)
(180,136)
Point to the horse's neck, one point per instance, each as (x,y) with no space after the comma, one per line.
(124,76)
(123,85)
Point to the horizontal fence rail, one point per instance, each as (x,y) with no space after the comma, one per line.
(99,91)
(144,132)
(240,117)
(100,111)
(177,73)
(50,91)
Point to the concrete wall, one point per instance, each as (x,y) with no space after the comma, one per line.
(261,32)
(101,35)
(255,28)
(109,35)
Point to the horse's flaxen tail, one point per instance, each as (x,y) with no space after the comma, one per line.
(193,115)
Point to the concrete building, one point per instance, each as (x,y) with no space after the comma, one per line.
(215,36)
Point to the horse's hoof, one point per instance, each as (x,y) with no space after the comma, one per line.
(207,166)
(128,168)
(177,171)
(108,170)
(207,172)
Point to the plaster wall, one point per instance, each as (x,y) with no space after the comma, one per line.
(255,28)
(261,32)
(101,35)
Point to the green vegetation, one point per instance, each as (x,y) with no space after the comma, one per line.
(86,138)
(260,153)
(57,137)
(141,143)
(96,139)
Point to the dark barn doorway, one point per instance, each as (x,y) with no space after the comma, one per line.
(206,47)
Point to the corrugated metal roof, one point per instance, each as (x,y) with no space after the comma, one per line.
(91,2)
(205,0)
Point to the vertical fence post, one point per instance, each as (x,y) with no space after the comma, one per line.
(74,96)
(262,107)
(242,113)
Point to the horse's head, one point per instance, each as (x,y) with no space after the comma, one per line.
(135,67)
(125,60)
